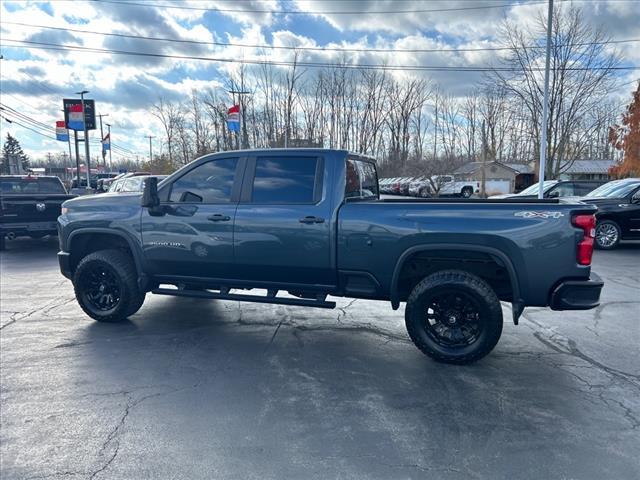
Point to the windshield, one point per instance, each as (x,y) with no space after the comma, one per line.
(533,189)
(616,189)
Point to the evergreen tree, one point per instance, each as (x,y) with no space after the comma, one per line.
(10,149)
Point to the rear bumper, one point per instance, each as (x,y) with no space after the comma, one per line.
(577,294)
(30,228)
(64,259)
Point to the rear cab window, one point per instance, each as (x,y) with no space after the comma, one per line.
(31,185)
(362,179)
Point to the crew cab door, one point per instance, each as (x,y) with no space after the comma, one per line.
(193,234)
(283,221)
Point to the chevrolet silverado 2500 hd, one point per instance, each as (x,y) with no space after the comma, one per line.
(310,222)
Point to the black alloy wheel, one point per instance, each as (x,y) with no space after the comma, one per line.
(101,288)
(454,316)
(452,319)
(106,285)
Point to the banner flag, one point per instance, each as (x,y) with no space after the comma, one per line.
(106,143)
(233,118)
(62,133)
(76,117)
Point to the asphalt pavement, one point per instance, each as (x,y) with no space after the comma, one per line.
(199,389)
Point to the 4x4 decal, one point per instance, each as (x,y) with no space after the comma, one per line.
(539,214)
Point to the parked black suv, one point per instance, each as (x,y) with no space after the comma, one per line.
(618,216)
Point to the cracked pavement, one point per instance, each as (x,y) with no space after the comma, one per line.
(200,389)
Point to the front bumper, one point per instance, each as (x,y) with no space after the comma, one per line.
(577,294)
(64,259)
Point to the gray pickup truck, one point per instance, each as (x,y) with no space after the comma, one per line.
(310,222)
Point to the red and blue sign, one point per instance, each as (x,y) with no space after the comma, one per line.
(76,117)
(62,134)
(233,118)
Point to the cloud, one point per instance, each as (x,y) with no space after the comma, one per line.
(54,36)
(34,70)
(127,86)
(136,93)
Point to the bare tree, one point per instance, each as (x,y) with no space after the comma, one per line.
(581,74)
(169,114)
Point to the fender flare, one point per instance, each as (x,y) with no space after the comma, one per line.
(517,303)
(136,252)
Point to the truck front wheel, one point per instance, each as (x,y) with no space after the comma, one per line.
(454,317)
(106,286)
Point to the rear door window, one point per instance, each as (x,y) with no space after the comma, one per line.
(285,180)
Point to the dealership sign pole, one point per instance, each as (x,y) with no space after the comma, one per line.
(86,139)
(79,114)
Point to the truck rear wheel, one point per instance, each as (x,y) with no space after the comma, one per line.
(106,286)
(454,317)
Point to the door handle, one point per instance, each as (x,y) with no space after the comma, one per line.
(218,217)
(311,219)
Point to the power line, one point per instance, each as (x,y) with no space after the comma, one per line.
(28,128)
(26,117)
(318,49)
(337,12)
(42,86)
(311,12)
(42,126)
(434,68)
(21,101)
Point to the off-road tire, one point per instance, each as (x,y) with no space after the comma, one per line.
(121,267)
(446,282)
(605,224)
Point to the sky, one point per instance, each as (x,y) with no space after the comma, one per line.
(34,81)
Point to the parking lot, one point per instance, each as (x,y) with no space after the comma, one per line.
(192,389)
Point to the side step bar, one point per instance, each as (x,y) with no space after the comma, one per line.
(224,294)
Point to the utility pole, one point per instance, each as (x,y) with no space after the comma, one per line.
(150,148)
(109,133)
(64,165)
(86,139)
(100,115)
(69,144)
(243,126)
(483,175)
(545,107)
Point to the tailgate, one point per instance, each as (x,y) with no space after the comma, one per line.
(31,208)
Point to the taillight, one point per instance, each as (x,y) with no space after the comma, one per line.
(585,246)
